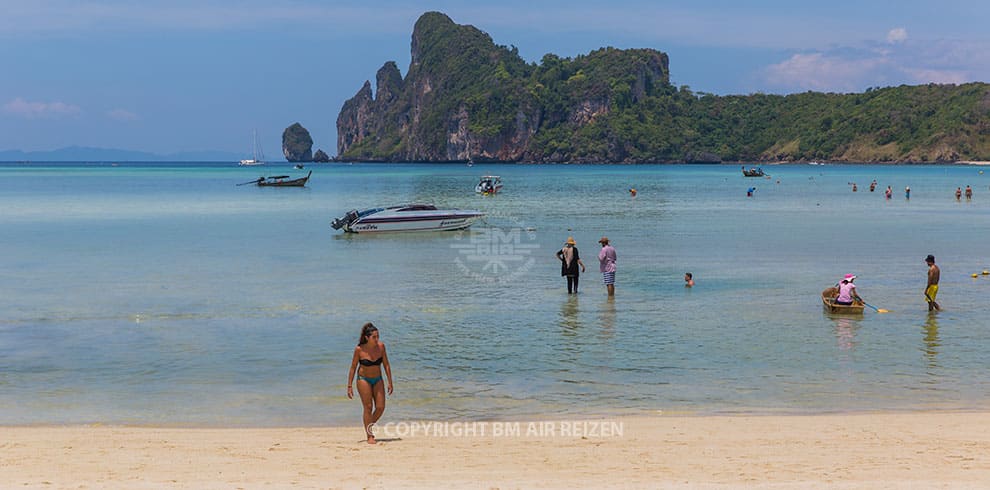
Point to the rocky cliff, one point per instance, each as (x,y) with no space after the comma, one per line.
(464,98)
(321,157)
(297,145)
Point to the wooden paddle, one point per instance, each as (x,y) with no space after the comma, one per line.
(878,310)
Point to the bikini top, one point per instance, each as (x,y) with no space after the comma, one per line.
(369,362)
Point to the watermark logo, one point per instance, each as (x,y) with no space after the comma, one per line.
(498,253)
(581,429)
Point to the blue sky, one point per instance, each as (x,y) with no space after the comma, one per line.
(171,76)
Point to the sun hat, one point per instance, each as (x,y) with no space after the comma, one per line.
(603,240)
(930,258)
(570,241)
(849,277)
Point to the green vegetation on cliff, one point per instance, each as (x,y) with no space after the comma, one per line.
(466,98)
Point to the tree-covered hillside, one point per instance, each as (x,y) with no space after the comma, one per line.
(466,98)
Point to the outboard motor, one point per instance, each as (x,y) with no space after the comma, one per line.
(348,218)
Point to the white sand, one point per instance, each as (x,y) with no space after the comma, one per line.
(869,451)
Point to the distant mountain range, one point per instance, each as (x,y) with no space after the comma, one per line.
(88,154)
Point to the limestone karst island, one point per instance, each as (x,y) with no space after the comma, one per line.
(464,98)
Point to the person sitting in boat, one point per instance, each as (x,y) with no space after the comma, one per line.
(847,291)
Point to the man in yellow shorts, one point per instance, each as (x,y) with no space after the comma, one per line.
(931,290)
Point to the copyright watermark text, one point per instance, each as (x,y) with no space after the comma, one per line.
(539,429)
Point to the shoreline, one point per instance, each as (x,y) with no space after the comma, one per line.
(868,450)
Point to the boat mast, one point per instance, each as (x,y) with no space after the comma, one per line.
(259,154)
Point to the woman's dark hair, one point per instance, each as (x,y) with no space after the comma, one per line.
(366,332)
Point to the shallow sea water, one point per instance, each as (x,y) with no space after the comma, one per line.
(166,294)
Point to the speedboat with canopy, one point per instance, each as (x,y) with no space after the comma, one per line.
(489,184)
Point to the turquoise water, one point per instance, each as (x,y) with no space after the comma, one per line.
(165,294)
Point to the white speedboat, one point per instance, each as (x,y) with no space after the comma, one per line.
(409,217)
(489,184)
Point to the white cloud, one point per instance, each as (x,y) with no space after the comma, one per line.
(922,76)
(897,35)
(40,110)
(882,63)
(823,73)
(122,115)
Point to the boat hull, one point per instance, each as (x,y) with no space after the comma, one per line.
(494,190)
(406,218)
(828,303)
(300,182)
(389,224)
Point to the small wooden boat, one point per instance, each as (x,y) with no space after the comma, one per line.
(753,172)
(280,181)
(828,302)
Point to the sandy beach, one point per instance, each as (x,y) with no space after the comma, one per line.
(903,450)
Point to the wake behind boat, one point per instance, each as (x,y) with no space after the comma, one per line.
(409,217)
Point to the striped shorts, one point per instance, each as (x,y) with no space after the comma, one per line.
(608,278)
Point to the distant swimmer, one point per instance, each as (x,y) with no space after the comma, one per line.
(632,192)
(888,193)
(873,185)
(688,280)
(854,187)
(750,191)
(907,192)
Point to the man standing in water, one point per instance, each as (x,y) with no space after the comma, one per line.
(606,259)
(931,290)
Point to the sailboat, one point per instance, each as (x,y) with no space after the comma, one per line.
(258,155)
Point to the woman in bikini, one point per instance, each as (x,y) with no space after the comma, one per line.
(369,360)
